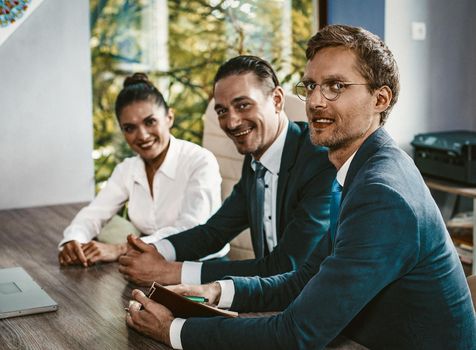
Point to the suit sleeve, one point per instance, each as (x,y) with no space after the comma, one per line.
(221,228)
(376,243)
(305,230)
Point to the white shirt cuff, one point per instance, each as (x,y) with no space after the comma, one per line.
(191,272)
(175,330)
(150,239)
(74,233)
(227,294)
(164,232)
(164,247)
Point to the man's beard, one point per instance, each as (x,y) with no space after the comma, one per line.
(334,141)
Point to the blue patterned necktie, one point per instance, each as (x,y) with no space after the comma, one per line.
(336,193)
(258,205)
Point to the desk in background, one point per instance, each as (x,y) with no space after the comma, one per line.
(91,300)
(460,190)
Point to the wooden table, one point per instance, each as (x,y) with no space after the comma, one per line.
(91,300)
(460,190)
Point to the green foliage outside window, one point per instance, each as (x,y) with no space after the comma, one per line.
(201,35)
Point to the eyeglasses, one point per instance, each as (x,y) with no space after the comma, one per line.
(331,90)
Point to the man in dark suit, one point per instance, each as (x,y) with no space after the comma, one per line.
(292,215)
(393,279)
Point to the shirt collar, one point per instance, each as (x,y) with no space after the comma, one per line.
(171,161)
(342,173)
(271,159)
(169,165)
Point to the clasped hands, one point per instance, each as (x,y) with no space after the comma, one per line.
(155,319)
(143,264)
(139,262)
(87,254)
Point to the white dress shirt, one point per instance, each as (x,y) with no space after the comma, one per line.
(191,271)
(271,160)
(186,192)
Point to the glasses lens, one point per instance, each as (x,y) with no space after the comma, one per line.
(301,91)
(328,92)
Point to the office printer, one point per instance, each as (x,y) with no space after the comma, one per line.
(449,155)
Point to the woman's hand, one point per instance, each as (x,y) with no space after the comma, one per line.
(95,251)
(72,254)
(211,291)
(87,254)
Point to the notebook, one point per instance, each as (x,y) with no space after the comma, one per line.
(21,295)
(183,307)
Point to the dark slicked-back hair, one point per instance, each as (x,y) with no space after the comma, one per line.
(138,87)
(248,64)
(375,61)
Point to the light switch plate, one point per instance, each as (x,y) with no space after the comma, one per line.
(418,30)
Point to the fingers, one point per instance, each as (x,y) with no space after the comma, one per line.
(126,273)
(92,252)
(135,320)
(140,297)
(79,253)
(195,290)
(66,258)
(181,289)
(125,265)
(125,260)
(71,254)
(89,247)
(188,289)
(63,255)
(134,305)
(124,270)
(137,243)
(129,321)
(127,278)
(94,257)
(133,253)
(153,320)
(61,259)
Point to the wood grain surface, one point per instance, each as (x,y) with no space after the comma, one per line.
(91,300)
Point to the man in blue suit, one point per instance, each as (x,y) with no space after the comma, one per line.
(293,214)
(393,279)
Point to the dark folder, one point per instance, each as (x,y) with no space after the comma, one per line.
(183,307)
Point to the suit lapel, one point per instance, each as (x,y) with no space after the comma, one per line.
(288,159)
(373,143)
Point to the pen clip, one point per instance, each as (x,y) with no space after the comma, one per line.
(149,294)
(151,290)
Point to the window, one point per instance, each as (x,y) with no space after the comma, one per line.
(180,45)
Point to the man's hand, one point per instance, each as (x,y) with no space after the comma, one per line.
(96,251)
(72,254)
(211,291)
(153,320)
(143,264)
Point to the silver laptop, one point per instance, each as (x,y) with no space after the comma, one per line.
(20,295)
